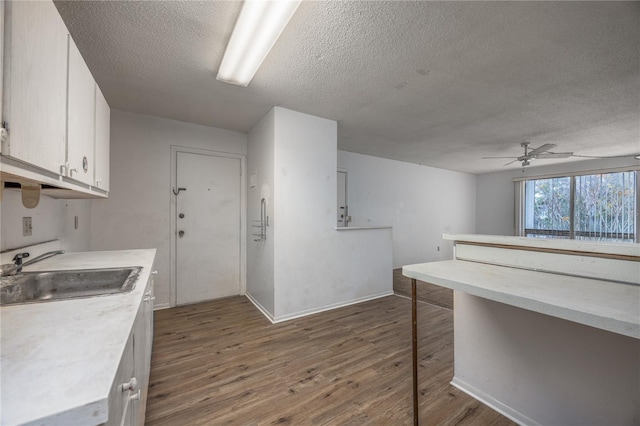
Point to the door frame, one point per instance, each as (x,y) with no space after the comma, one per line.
(175,149)
(346,195)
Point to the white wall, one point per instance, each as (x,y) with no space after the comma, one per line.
(51,219)
(137,213)
(317,267)
(260,163)
(420,202)
(495,194)
(538,369)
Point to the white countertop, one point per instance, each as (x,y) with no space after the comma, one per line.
(58,359)
(360,228)
(606,305)
(586,246)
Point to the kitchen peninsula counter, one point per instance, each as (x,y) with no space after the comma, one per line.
(545,331)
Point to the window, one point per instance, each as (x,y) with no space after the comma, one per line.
(599,207)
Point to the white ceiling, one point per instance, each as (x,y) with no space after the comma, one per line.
(435,83)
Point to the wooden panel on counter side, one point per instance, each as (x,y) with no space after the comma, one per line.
(222,362)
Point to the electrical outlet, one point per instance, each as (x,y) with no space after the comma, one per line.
(27,227)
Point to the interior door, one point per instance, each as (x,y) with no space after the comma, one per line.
(208,227)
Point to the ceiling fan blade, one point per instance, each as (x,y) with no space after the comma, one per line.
(510,162)
(544,148)
(544,155)
(489,158)
(608,156)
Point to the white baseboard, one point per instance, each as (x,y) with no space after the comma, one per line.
(261,308)
(493,403)
(288,317)
(300,314)
(160,306)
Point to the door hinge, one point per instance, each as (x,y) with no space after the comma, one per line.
(4,137)
(4,131)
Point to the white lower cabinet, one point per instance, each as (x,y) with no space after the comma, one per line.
(128,395)
(120,394)
(142,344)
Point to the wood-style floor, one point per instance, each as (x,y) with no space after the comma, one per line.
(222,362)
(425,292)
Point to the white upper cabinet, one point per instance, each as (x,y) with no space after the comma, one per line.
(81,116)
(103,121)
(35,103)
(1,58)
(56,117)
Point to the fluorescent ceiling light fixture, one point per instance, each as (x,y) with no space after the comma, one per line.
(258,27)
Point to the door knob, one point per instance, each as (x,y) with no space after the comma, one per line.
(180,234)
(181,215)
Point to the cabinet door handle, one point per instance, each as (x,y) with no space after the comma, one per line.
(130,385)
(154,272)
(72,170)
(135,396)
(149,298)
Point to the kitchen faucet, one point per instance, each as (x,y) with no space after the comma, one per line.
(16,268)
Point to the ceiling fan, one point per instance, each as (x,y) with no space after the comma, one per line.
(544,152)
(537,153)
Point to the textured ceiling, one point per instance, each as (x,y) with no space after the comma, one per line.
(435,83)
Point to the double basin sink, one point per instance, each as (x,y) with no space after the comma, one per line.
(33,287)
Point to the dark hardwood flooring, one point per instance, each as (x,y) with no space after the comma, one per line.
(425,292)
(222,362)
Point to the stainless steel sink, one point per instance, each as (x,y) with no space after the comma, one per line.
(32,287)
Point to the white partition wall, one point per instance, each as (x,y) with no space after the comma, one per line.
(260,151)
(314,266)
(420,202)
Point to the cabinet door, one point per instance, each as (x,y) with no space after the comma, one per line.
(81,116)
(120,400)
(35,103)
(150,303)
(1,59)
(103,122)
(142,349)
